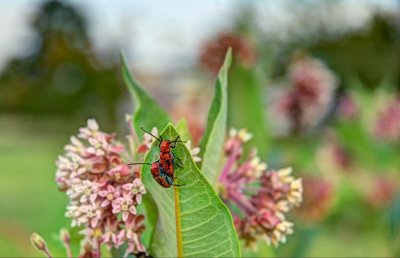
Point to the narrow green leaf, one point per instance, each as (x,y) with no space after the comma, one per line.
(183,129)
(212,142)
(193,221)
(147,112)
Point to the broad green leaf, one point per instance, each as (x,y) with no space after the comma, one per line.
(148,113)
(212,142)
(193,221)
(246,105)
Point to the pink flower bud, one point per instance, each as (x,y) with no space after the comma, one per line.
(65,236)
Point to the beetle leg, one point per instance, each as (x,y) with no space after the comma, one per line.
(179,164)
(180,161)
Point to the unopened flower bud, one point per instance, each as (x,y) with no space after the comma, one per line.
(65,236)
(38,242)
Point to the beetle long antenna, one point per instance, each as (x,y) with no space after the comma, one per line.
(139,163)
(176,139)
(160,139)
(179,141)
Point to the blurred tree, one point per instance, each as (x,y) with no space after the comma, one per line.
(61,76)
(373,55)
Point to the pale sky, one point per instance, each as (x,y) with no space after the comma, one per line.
(160,35)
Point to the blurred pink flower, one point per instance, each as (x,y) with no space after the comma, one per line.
(381,192)
(341,157)
(307,101)
(262,197)
(387,125)
(213,52)
(347,107)
(317,199)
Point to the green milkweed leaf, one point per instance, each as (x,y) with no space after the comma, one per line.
(183,129)
(147,112)
(246,106)
(212,142)
(193,221)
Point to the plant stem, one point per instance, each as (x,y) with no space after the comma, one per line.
(241,202)
(98,249)
(228,166)
(68,249)
(47,252)
(240,171)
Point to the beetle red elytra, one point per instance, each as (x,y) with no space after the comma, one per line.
(167,158)
(159,174)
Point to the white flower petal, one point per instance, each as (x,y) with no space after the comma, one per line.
(92,124)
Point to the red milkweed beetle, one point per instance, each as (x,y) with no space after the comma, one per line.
(166,155)
(158,174)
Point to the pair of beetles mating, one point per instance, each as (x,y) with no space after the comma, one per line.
(162,170)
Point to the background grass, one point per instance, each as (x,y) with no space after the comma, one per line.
(29,199)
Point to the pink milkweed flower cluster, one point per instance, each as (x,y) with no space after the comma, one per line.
(261,197)
(308,99)
(387,125)
(103,191)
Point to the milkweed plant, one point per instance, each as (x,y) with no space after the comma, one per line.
(223,198)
